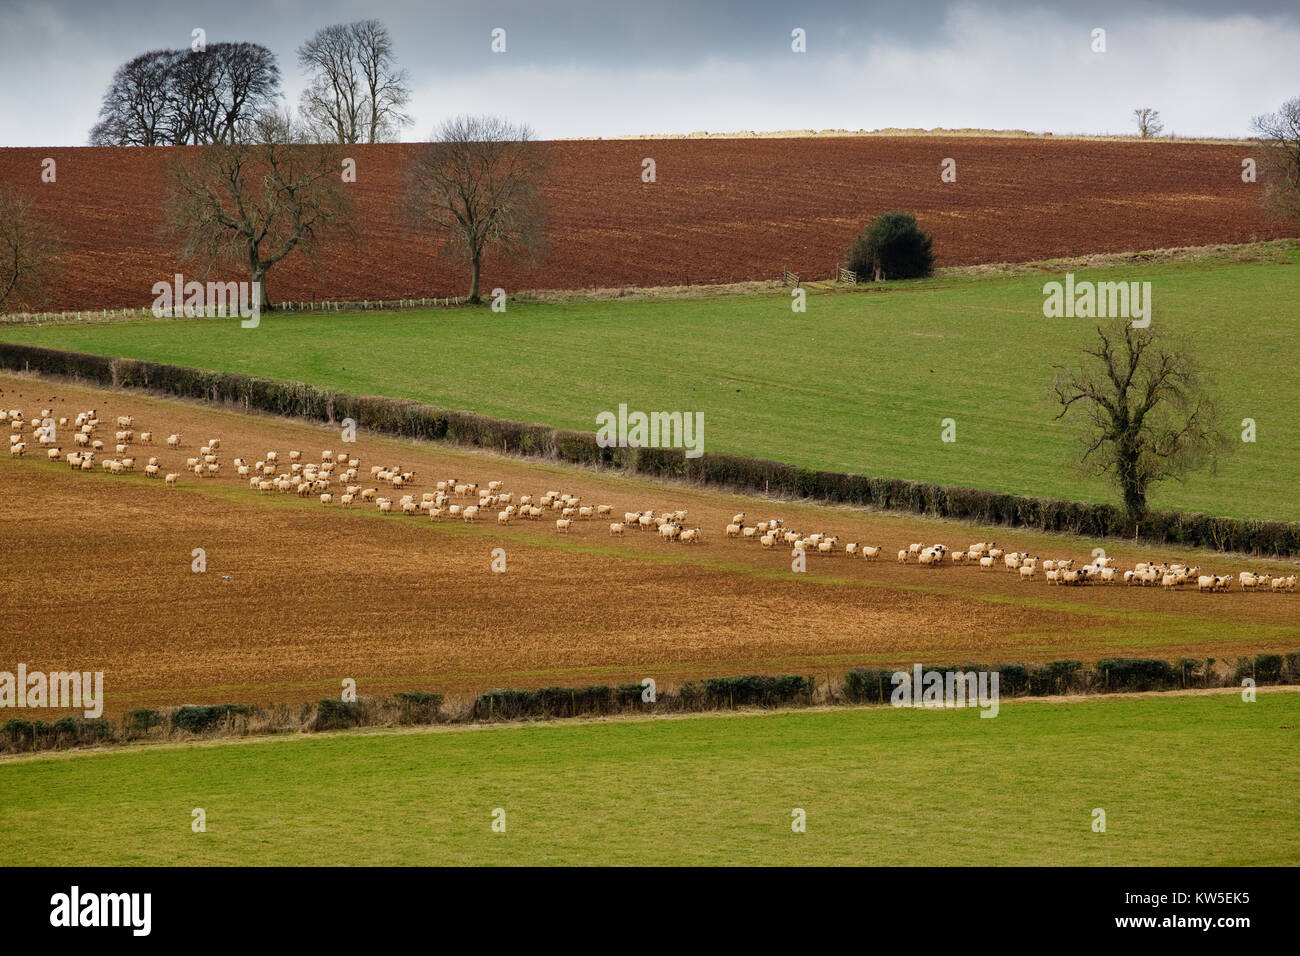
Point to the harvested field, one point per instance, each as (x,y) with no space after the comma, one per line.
(297,596)
(721,210)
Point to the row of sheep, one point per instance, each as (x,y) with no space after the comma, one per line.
(988,556)
(335,478)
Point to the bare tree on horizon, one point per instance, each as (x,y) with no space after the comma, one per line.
(357,93)
(477,186)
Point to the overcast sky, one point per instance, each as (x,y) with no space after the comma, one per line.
(590,68)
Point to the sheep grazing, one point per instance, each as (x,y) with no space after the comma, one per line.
(768,541)
(18,450)
(1251,582)
(174,441)
(171,479)
(738,519)
(691,536)
(617,527)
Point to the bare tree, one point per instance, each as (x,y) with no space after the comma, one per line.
(29,247)
(1146,405)
(357,92)
(253,202)
(1280,167)
(477,187)
(135,108)
(1149,123)
(174,97)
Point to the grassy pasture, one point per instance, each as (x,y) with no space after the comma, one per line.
(858,383)
(1188,780)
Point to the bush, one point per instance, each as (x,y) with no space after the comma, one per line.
(1057,677)
(18,733)
(1291,667)
(867,686)
(893,247)
(1135,674)
(142,721)
(751,689)
(419,706)
(1268,668)
(197,720)
(334,714)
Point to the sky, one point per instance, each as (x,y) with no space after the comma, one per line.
(584,68)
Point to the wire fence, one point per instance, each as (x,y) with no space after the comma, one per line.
(117,315)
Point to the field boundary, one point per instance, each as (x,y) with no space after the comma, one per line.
(857,687)
(406,418)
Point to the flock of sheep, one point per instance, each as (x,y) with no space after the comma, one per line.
(987,555)
(337,477)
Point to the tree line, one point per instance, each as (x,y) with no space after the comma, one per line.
(219,92)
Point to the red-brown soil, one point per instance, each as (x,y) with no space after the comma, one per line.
(720,211)
(95,574)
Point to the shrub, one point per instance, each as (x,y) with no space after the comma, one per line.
(419,706)
(198,719)
(1268,668)
(142,721)
(18,733)
(867,685)
(1291,667)
(1057,677)
(1135,674)
(334,714)
(751,689)
(892,247)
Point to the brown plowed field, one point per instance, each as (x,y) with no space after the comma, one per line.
(95,574)
(720,211)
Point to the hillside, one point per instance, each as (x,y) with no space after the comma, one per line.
(722,210)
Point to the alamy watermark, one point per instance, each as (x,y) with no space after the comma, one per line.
(653,430)
(193,299)
(923,688)
(59,690)
(1098,300)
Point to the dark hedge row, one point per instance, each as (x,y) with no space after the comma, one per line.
(1110,675)
(859,686)
(712,693)
(409,419)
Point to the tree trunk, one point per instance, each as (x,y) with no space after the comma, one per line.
(1135,496)
(473,281)
(257,272)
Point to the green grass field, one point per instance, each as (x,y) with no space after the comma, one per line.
(1182,779)
(858,383)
